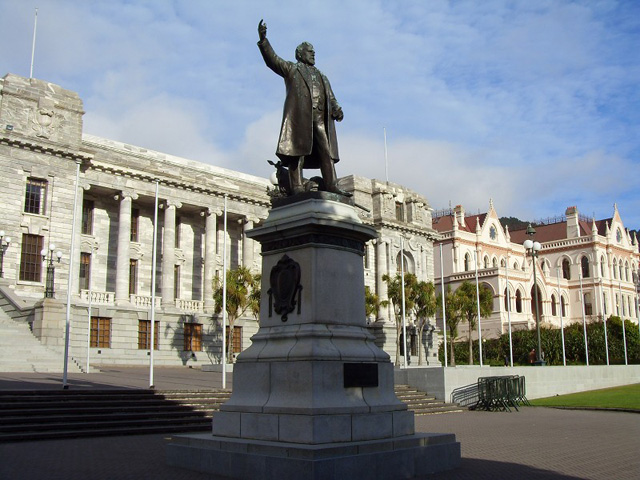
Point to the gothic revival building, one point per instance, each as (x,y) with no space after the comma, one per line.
(585,266)
(49,165)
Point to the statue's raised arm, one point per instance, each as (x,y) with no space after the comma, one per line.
(308,133)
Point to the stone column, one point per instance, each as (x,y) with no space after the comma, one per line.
(247,244)
(124,241)
(381,269)
(210,256)
(169,253)
(76,249)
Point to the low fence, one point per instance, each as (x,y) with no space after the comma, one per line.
(541,381)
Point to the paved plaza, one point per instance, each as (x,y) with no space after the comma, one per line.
(533,443)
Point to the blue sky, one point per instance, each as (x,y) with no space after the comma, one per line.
(533,104)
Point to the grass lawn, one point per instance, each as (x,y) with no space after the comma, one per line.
(627,396)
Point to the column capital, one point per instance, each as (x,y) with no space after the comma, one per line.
(173,203)
(123,194)
(211,211)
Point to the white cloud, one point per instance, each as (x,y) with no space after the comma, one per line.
(513,101)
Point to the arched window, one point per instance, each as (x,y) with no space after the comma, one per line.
(554,310)
(584,264)
(602,263)
(503,263)
(566,269)
(515,265)
(518,301)
(621,278)
(486,261)
(626,271)
(495,262)
(507,300)
(615,268)
(408,262)
(536,308)
(563,306)
(467,261)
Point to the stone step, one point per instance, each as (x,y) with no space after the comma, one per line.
(423,404)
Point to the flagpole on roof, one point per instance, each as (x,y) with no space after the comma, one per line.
(386,160)
(33,44)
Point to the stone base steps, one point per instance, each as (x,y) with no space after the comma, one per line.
(422,403)
(50,414)
(41,415)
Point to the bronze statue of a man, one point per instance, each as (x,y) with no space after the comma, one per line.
(308,133)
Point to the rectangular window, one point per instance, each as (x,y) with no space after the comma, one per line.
(144,334)
(400,211)
(31,258)
(135,224)
(85,271)
(588,306)
(193,337)
(87,217)
(133,276)
(237,339)
(35,196)
(100,332)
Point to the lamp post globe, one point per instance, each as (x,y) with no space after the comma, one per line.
(532,249)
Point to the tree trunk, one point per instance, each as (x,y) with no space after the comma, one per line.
(398,330)
(420,329)
(229,352)
(452,353)
(470,346)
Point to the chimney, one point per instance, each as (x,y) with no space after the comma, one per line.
(573,227)
(459,211)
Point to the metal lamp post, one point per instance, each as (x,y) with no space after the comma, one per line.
(532,249)
(49,290)
(4,244)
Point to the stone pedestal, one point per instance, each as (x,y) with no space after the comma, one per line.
(313,395)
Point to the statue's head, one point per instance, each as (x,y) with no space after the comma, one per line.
(306,54)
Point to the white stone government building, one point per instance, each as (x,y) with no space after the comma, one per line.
(582,262)
(44,155)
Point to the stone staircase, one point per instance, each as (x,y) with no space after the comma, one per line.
(21,351)
(44,414)
(422,403)
(53,414)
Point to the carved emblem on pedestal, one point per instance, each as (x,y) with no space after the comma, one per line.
(285,285)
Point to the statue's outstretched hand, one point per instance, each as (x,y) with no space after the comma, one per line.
(262,30)
(337,114)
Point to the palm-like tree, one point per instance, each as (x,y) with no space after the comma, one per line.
(241,296)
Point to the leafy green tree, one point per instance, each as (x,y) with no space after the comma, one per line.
(394,293)
(469,307)
(424,299)
(453,316)
(371,303)
(241,288)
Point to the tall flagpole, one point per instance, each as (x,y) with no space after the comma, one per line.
(444,313)
(604,321)
(475,257)
(224,299)
(509,314)
(564,356)
(404,323)
(584,320)
(33,44)
(624,333)
(153,286)
(89,322)
(70,280)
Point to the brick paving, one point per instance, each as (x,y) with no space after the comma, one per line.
(535,443)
